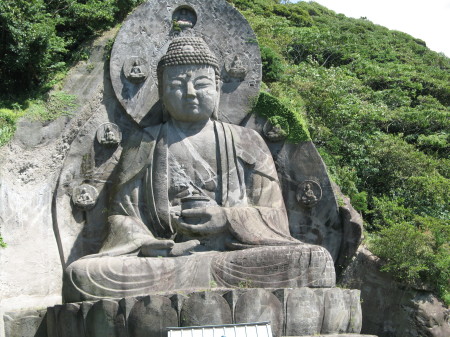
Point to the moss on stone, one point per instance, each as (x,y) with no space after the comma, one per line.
(291,122)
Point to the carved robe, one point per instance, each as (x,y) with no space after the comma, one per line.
(264,254)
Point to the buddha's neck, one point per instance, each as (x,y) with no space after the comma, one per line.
(191,128)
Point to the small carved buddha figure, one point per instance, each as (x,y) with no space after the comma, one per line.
(136,71)
(196,200)
(237,64)
(109,137)
(308,195)
(84,198)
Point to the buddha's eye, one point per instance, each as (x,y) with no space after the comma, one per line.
(176,84)
(202,84)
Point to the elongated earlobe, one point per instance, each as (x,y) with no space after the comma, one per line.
(215,114)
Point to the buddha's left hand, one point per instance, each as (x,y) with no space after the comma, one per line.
(201,221)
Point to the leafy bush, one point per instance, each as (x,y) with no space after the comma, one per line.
(8,120)
(416,251)
(270,107)
(272,65)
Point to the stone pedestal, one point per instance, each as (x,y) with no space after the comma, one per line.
(292,312)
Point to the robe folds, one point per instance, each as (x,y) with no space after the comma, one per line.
(259,251)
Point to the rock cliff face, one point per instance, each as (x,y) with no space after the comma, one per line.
(390,308)
(31,266)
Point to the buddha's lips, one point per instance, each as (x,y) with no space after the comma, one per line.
(191,105)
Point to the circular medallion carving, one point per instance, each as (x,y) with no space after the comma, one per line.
(237,66)
(184,17)
(309,193)
(135,69)
(109,134)
(146,35)
(85,196)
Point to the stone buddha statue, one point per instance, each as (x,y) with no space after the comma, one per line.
(196,201)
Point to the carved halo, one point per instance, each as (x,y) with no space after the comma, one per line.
(146,35)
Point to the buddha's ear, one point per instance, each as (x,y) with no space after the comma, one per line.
(215,114)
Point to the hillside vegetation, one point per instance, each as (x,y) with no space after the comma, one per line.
(374,101)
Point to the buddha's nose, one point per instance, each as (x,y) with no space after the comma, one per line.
(190,90)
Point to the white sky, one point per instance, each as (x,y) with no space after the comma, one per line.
(428,20)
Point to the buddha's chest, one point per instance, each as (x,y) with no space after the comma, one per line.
(193,164)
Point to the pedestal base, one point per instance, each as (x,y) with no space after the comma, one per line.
(292,312)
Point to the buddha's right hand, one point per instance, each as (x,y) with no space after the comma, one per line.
(154,247)
(164,248)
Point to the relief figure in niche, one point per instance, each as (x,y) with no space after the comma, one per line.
(195,200)
(109,136)
(84,198)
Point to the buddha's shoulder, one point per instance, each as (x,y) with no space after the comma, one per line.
(137,148)
(246,136)
(252,149)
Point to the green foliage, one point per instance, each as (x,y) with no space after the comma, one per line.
(8,120)
(416,249)
(289,121)
(56,104)
(30,47)
(272,64)
(41,38)
(2,243)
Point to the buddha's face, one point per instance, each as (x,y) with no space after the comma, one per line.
(189,92)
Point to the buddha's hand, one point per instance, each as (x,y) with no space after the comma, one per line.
(154,247)
(201,221)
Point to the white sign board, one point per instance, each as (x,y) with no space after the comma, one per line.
(259,329)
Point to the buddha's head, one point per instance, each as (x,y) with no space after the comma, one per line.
(188,78)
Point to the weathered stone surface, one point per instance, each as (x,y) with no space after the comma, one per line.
(259,305)
(336,315)
(304,313)
(290,311)
(150,317)
(390,308)
(352,301)
(70,321)
(205,308)
(323,223)
(31,267)
(105,319)
(337,228)
(29,323)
